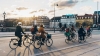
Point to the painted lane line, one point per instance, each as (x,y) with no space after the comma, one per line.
(67,48)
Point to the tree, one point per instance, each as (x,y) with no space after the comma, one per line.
(84,24)
(60,25)
(78,24)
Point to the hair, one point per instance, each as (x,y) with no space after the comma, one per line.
(41,25)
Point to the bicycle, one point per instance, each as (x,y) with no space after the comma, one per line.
(80,39)
(48,41)
(13,44)
(89,34)
(72,37)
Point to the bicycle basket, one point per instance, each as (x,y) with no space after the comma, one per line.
(49,36)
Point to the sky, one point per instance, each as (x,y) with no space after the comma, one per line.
(29,8)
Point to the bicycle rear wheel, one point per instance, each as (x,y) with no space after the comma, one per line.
(37,44)
(13,44)
(26,42)
(49,42)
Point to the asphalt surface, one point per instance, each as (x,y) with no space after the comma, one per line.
(59,48)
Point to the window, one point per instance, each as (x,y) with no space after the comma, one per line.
(88,17)
(95,17)
(85,17)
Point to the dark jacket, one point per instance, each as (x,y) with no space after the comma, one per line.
(19,31)
(81,32)
(35,30)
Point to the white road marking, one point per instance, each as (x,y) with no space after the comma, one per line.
(66,48)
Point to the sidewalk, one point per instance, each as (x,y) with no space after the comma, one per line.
(12,34)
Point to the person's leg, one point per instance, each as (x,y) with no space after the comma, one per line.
(83,37)
(33,37)
(20,40)
(68,37)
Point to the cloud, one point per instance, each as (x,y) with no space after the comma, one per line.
(21,8)
(51,11)
(96,0)
(8,13)
(33,12)
(41,10)
(64,3)
(86,8)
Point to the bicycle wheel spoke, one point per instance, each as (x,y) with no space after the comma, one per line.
(13,44)
(49,42)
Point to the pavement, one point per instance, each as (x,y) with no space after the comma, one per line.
(12,34)
(59,48)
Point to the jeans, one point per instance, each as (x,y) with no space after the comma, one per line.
(20,40)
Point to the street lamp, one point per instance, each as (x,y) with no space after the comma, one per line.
(54,16)
(4,17)
(97,11)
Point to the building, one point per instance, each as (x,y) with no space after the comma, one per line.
(84,18)
(87,18)
(56,20)
(95,16)
(69,19)
(42,20)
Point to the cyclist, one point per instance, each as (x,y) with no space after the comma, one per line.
(34,30)
(81,33)
(67,33)
(18,33)
(88,31)
(42,31)
(73,31)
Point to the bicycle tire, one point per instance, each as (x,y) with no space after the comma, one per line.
(13,44)
(28,41)
(38,42)
(47,41)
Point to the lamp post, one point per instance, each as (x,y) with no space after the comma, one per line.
(4,19)
(54,17)
(97,11)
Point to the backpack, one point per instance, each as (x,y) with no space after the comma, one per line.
(32,29)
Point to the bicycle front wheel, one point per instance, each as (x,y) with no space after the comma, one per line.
(26,42)
(49,42)
(13,44)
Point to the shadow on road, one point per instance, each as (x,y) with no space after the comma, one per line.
(10,53)
(29,51)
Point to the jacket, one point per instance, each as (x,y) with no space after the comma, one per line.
(19,31)
(42,31)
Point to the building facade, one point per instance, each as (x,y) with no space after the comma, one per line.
(96,17)
(42,20)
(54,22)
(85,19)
(69,19)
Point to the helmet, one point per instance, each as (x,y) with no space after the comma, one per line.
(19,23)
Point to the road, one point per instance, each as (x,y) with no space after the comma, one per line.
(59,48)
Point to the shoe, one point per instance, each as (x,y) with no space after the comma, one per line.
(69,39)
(20,46)
(42,43)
